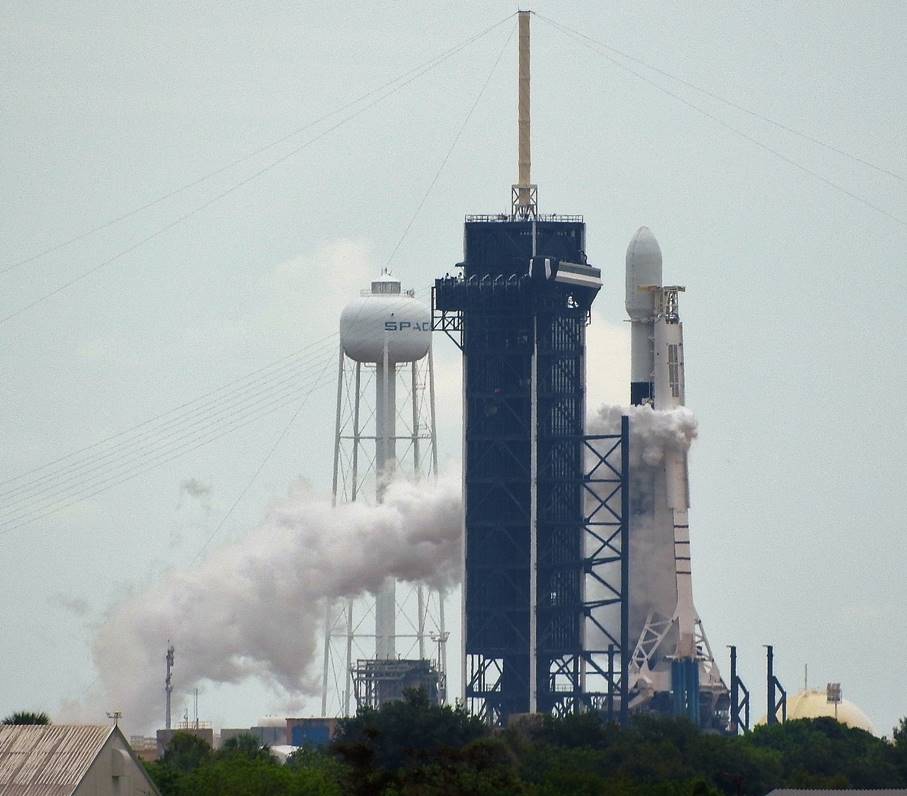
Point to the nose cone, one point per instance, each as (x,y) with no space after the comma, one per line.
(643,269)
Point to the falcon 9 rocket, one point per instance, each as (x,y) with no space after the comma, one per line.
(672,667)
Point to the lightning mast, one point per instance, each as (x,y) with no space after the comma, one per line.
(524,199)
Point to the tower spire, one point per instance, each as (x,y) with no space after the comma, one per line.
(524,193)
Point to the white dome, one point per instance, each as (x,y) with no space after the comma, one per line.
(813,704)
(385,316)
(643,269)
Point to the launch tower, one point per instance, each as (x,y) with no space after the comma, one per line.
(542,500)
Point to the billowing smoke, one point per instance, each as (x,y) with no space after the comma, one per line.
(653,435)
(254,608)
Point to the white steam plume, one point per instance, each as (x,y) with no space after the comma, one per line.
(653,434)
(254,608)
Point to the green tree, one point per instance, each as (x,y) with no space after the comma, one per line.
(485,767)
(378,743)
(239,775)
(26,717)
(824,753)
(245,745)
(898,751)
(186,752)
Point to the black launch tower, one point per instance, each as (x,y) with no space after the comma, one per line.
(545,572)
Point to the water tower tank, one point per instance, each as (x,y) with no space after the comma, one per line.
(385,315)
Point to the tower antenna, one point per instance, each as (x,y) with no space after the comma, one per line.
(524,195)
(168,683)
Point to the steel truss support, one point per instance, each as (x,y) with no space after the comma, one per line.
(605,659)
(350,626)
(776,701)
(740,699)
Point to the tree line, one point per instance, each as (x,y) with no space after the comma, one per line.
(415,748)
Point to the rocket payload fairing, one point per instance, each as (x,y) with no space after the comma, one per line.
(672,667)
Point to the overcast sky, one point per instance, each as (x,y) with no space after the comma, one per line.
(792,255)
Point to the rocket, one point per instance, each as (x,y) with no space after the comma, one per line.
(657,379)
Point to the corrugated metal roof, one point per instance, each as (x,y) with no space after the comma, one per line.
(47,760)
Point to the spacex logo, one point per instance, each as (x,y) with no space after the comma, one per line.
(402,326)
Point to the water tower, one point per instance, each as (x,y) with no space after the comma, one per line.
(385,426)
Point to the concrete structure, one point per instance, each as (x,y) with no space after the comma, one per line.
(70,760)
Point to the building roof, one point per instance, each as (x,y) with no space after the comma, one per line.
(48,760)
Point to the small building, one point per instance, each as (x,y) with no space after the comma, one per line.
(70,760)
(269,730)
(311,732)
(145,748)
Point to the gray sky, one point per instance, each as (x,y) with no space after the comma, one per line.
(792,329)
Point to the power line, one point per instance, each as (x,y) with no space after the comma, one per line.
(731,128)
(75,496)
(77,480)
(235,392)
(162,415)
(148,441)
(137,463)
(280,437)
(249,155)
(221,195)
(730,103)
(450,149)
(231,399)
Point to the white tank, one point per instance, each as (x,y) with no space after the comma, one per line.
(385,315)
(643,269)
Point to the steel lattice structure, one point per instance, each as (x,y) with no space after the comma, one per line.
(539,526)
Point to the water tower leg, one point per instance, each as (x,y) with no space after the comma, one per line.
(385,417)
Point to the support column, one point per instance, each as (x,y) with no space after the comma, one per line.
(385,444)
